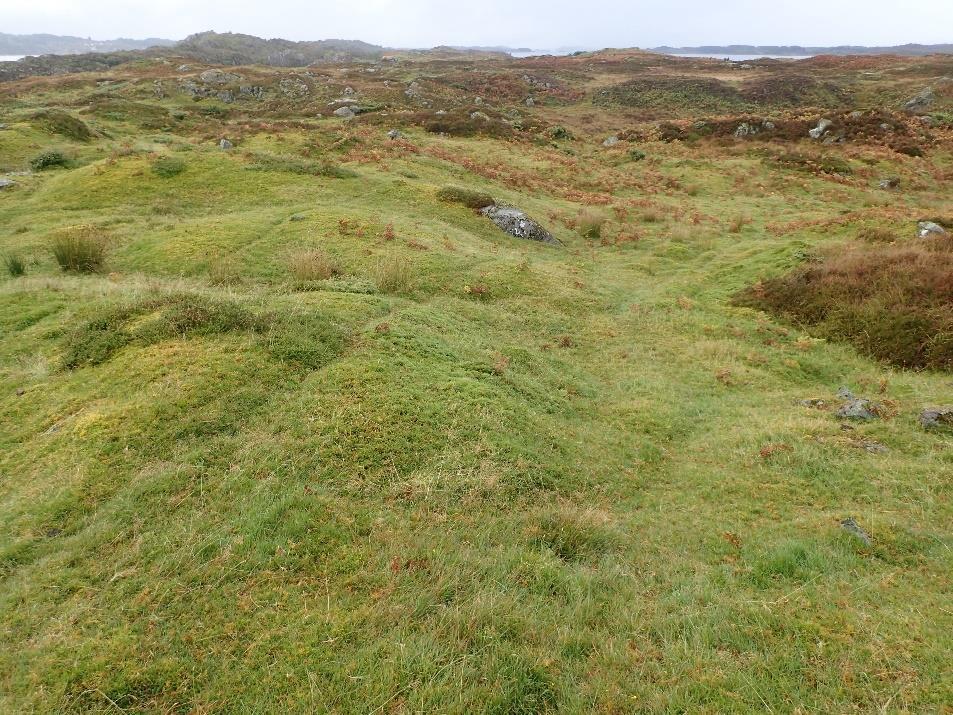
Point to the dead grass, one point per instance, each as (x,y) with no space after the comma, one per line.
(313,264)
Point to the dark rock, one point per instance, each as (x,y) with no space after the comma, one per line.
(851,526)
(937,417)
(890,184)
(518,224)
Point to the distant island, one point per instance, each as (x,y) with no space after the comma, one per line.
(68,45)
(910,50)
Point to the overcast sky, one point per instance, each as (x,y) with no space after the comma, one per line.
(533,23)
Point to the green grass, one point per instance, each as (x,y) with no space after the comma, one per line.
(587,487)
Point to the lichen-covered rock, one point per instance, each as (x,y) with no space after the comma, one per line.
(216,76)
(293,88)
(610,141)
(516,223)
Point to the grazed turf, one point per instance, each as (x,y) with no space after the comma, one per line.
(520,479)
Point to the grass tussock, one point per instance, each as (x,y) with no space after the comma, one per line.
(393,274)
(80,249)
(465,197)
(590,224)
(313,264)
(168,166)
(893,302)
(49,160)
(14,264)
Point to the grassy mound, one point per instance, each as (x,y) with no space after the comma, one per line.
(893,302)
(56,121)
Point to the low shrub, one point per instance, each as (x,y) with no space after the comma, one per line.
(893,301)
(81,249)
(15,264)
(637,154)
(466,197)
(48,160)
(313,264)
(168,166)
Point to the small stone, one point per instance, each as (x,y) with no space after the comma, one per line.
(394,134)
(768,125)
(348,91)
(610,141)
(297,217)
(530,102)
(7,183)
(926,229)
(815,403)
(890,184)
(937,417)
(344,113)
(856,114)
(479,115)
(225,145)
(851,526)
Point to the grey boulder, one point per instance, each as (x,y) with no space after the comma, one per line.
(921,101)
(225,145)
(925,229)
(518,224)
(6,183)
(344,113)
(822,126)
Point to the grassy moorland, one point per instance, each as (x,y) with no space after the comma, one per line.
(296,433)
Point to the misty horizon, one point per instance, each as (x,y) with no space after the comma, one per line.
(426,23)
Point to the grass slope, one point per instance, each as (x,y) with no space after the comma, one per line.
(469,473)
